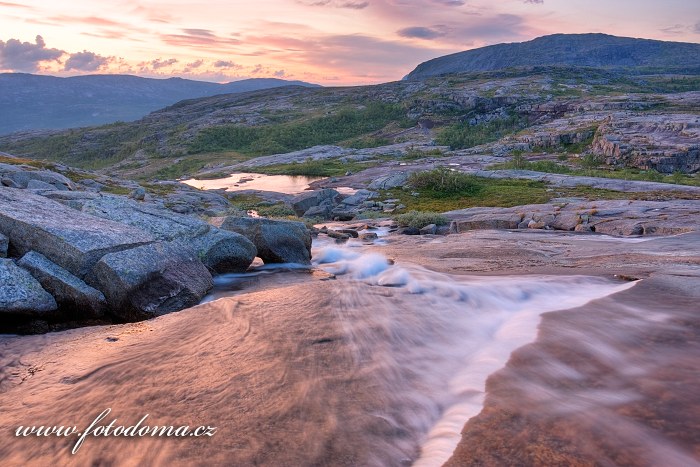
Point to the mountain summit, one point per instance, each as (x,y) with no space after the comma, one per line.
(586,50)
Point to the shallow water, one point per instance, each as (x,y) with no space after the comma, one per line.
(382,366)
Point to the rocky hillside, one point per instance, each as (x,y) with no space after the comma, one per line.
(546,109)
(585,50)
(48,102)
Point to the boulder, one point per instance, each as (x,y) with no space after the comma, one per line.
(219,251)
(276,241)
(21,294)
(486,221)
(323,211)
(358,198)
(70,238)
(39,185)
(566,221)
(151,280)
(4,243)
(73,295)
(429,229)
(392,180)
(223,251)
(302,202)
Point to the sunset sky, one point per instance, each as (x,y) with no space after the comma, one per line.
(331,42)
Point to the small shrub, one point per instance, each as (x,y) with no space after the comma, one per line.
(445,182)
(419,220)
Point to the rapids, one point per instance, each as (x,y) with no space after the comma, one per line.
(382,365)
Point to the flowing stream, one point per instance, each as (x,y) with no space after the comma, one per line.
(381,366)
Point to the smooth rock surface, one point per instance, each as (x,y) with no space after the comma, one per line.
(4,243)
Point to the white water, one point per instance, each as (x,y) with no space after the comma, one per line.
(457,330)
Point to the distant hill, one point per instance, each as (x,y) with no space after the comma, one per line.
(586,50)
(30,102)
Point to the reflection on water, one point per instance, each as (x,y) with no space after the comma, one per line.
(380,367)
(251,181)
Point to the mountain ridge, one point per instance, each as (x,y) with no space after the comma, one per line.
(586,50)
(32,102)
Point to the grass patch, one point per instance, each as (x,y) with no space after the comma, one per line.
(346,124)
(419,220)
(443,183)
(463,135)
(314,168)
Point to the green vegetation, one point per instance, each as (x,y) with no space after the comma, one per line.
(463,135)
(419,220)
(343,125)
(443,182)
(591,168)
(314,168)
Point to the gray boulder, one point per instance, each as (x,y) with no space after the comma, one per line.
(487,221)
(223,251)
(73,295)
(392,180)
(4,244)
(21,294)
(151,280)
(70,238)
(302,202)
(276,241)
(358,198)
(39,185)
(219,251)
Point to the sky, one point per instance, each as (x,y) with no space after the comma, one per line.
(329,42)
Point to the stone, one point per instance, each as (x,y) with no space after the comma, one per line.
(566,221)
(39,185)
(337,235)
(138,194)
(72,239)
(4,244)
(352,233)
(391,180)
(302,202)
(410,231)
(220,251)
(151,280)
(429,229)
(21,294)
(368,236)
(323,211)
(358,198)
(486,221)
(73,295)
(275,241)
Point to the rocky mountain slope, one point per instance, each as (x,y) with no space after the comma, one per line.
(48,102)
(549,110)
(586,50)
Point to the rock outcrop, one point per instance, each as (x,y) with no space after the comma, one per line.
(151,280)
(665,143)
(220,251)
(21,294)
(276,241)
(301,204)
(73,296)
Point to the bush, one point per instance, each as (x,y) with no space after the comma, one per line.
(463,135)
(419,220)
(444,182)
